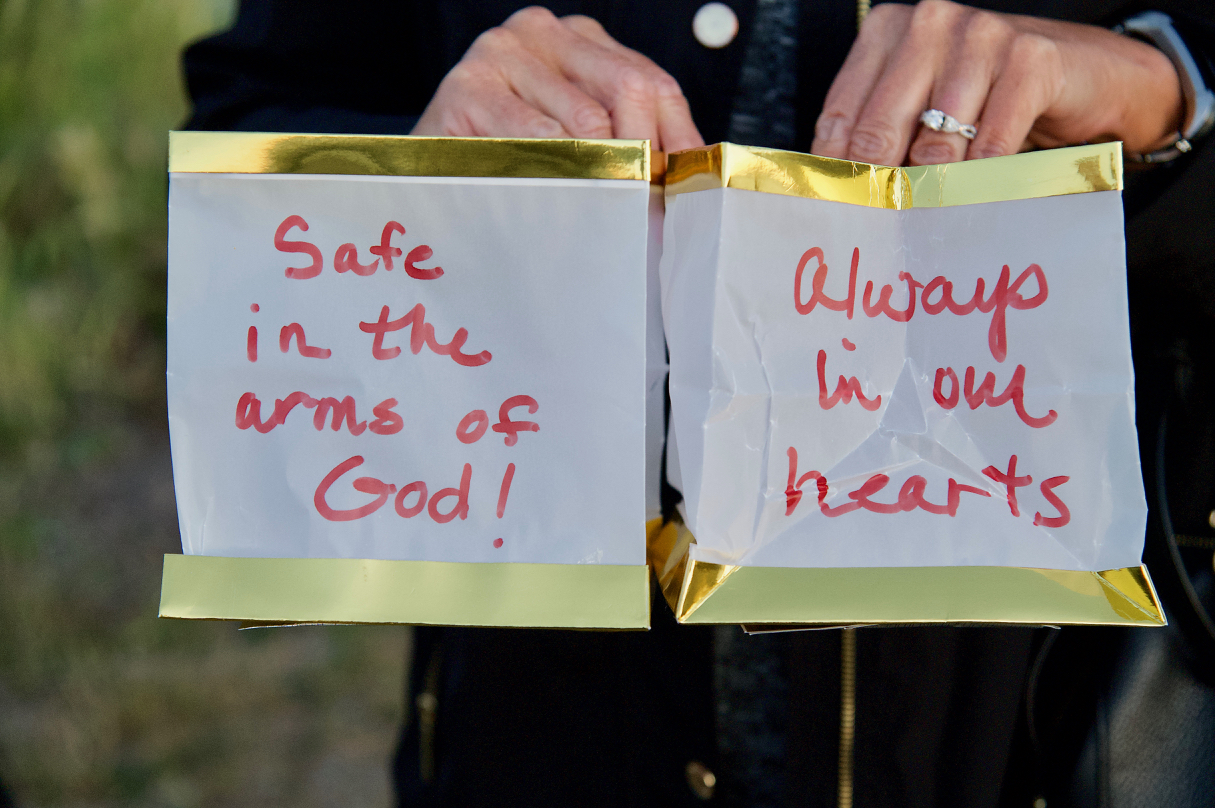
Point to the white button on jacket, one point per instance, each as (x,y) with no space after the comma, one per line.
(715,25)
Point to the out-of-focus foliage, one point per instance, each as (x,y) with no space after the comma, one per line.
(101,703)
(88,90)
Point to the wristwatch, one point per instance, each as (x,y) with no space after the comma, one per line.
(1156,28)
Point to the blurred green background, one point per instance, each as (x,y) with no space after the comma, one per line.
(101,703)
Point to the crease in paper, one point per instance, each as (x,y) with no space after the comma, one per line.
(763,390)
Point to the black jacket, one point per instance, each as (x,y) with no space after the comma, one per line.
(519,717)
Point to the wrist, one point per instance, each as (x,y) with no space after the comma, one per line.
(1194,117)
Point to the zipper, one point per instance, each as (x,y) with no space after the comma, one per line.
(847,714)
(427,704)
(848,636)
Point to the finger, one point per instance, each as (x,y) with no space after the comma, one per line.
(608,77)
(623,90)
(883,29)
(537,84)
(476,101)
(963,86)
(883,130)
(1026,86)
(590,28)
(504,114)
(676,130)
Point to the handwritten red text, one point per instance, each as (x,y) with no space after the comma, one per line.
(1006,295)
(346,257)
(421,334)
(911,494)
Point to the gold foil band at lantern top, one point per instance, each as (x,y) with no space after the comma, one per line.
(323,590)
(1052,172)
(700,592)
(401,156)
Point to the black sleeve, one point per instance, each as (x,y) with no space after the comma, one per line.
(371,66)
(315,66)
(1170,231)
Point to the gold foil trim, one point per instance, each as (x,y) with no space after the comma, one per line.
(660,539)
(701,580)
(667,552)
(1052,172)
(313,590)
(885,595)
(658,168)
(791,597)
(402,156)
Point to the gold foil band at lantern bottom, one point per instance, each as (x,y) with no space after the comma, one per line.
(401,156)
(700,592)
(323,590)
(1051,172)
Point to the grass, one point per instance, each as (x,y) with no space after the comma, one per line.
(101,703)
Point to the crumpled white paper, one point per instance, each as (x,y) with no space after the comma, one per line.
(781,468)
(546,276)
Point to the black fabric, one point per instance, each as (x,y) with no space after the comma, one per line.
(751,701)
(763,110)
(936,709)
(945,716)
(812,776)
(1115,718)
(370,67)
(1152,738)
(531,717)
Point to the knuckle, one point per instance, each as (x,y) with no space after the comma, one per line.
(1033,50)
(665,86)
(467,79)
(531,17)
(462,72)
(986,26)
(452,122)
(873,141)
(885,15)
(934,13)
(582,23)
(634,85)
(495,40)
(831,126)
(467,70)
(880,12)
(591,119)
(542,126)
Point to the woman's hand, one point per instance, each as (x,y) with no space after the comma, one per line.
(1018,79)
(540,76)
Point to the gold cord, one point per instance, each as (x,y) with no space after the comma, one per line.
(862,10)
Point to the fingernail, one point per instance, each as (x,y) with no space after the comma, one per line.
(830,130)
(934,154)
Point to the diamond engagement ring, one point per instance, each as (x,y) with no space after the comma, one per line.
(939,121)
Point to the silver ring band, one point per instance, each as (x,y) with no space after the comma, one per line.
(939,121)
